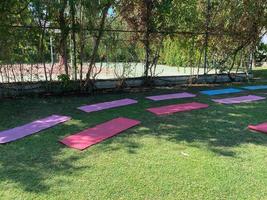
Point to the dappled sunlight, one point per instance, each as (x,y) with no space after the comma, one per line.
(166,126)
(36,158)
(219,130)
(235,115)
(147,99)
(76,122)
(143,128)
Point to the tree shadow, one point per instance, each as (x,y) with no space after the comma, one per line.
(125,142)
(220,131)
(31,161)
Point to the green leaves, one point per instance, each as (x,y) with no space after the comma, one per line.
(233,26)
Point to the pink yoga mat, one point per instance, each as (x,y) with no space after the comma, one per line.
(31,128)
(165,110)
(171,96)
(260,128)
(107,105)
(236,100)
(99,133)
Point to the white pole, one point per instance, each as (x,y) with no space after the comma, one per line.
(51,50)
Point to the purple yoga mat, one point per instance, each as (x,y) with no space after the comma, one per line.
(171,96)
(236,100)
(31,128)
(107,105)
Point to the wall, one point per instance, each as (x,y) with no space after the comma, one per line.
(57,88)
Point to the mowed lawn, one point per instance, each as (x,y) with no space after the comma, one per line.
(203,154)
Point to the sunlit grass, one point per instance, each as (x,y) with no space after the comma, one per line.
(203,154)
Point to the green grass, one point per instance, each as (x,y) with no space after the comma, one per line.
(260,73)
(203,154)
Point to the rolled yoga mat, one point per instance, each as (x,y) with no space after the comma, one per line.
(165,110)
(91,136)
(31,128)
(221,91)
(107,105)
(171,96)
(237,100)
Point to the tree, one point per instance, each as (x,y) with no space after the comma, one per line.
(149,19)
(103,8)
(64,30)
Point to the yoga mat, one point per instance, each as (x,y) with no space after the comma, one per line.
(256,87)
(99,133)
(107,105)
(221,91)
(236,100)
(31,128)
(171,96)
(165,110)
(260,127)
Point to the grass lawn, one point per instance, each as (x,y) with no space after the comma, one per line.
(260,73)
(203,154)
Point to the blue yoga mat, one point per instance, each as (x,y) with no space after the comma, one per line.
(256,87)
(221,91)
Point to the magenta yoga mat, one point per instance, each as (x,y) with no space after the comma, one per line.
(171,96)
(31,128)
(166,110)
(241,99)
(260,127)
(91,136)
(107,105)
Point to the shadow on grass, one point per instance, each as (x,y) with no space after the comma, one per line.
(260,74)
(29,163)
(32,161)
(218,128)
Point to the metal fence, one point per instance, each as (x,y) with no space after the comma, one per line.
(120,56)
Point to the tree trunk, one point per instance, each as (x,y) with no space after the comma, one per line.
(147,57)
(97,43)
(42,48)
(74,40)
(64,36)
(31,72)
(63,53)
(81,43)
(21,72)
(1,73)
(81,55)
(149,7)
(207,36)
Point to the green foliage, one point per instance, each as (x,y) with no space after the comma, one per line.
(179,52)
(173,53)
(261,53)
(64,77)
(181,25)
(65,81)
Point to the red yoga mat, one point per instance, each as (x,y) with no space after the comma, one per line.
(260,128)
(166,110)
(99,133)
